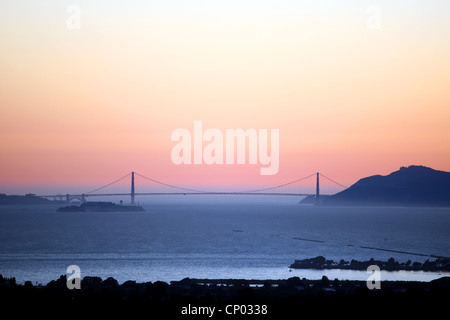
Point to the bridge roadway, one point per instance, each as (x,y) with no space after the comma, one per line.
(182,193)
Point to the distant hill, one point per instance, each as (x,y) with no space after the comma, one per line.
(409,186)
(26,199)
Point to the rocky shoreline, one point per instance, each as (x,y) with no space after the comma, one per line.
(320,262)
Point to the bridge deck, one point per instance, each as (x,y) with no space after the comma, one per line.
(183,193)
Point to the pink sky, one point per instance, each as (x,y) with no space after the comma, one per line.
(84,107)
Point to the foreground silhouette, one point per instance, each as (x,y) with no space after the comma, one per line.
(282,298)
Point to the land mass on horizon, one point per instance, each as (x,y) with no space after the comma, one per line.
(409,186)
(28,199)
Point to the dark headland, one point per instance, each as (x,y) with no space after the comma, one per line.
(409,186)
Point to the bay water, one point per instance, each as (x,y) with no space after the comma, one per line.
(228,237)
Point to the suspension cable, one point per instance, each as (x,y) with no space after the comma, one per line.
(202,191)
(333,181)
(107,185)
(279,186)
(169,185)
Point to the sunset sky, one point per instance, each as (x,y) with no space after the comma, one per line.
(355,88)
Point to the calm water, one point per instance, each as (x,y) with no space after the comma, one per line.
(220,238)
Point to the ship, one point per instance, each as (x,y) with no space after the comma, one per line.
(100,207)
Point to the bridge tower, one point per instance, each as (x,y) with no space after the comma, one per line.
(132,188)
(317,189)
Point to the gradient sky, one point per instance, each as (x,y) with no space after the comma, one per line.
(80,108)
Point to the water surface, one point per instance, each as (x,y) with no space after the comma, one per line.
(225,238)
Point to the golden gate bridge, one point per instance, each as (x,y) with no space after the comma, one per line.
(310,185)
